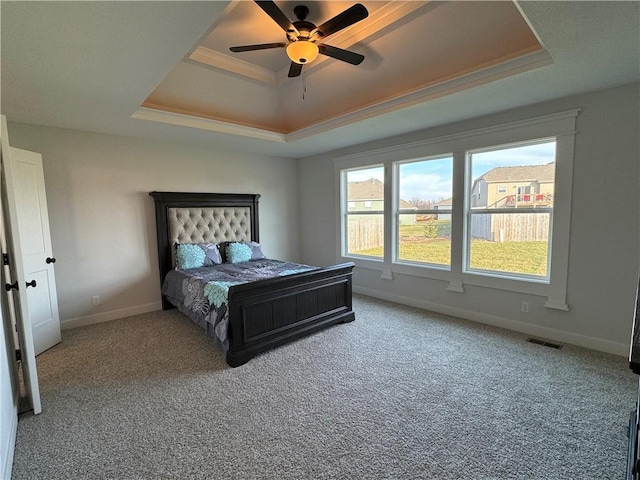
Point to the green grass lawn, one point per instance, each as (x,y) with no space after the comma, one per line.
(517,257)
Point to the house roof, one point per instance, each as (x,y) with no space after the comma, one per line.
(539,173)
(372,189)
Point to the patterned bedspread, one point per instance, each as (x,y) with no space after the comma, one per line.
(201,293)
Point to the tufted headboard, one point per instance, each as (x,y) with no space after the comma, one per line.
(202,217)
(209,224)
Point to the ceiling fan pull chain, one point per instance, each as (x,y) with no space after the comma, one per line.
(304,85)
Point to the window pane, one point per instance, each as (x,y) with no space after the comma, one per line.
(426,241)
(514,177)
(365,235)
(365,207)
(426,187)
(512,243)
(511,179)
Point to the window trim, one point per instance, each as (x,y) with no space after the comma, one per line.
(397,211)
(469,211)
(344,217)
(561,126)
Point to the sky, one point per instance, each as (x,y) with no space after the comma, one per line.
(431,179)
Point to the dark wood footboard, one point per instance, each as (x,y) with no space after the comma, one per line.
(269,313)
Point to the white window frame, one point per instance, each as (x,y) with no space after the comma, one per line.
(345,211)
(561,126)
(469,212)
(397,211)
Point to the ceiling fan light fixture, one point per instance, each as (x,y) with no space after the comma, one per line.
(302,51)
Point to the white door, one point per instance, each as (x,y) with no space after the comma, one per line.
(16,276)
(35,242)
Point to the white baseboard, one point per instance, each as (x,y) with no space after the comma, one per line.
(11,431)
(522,327)
(111,315)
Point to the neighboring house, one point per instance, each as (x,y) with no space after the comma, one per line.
(366,195)
(445,204)
(504,187)
(529,186)
(369,195)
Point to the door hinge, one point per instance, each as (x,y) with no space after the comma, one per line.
(5,259)
(18,356)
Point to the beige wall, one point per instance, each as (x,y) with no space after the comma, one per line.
(102,218)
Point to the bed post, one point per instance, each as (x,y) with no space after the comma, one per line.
(164,249)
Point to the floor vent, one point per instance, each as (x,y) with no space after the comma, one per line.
(542,342)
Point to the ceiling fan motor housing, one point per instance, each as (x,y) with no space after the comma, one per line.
(304,29)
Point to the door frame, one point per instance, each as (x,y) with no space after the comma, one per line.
(11,233)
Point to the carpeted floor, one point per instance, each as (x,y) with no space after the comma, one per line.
(398,394)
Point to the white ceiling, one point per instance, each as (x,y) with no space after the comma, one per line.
(91,65)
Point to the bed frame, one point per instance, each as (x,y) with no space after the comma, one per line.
(266,313)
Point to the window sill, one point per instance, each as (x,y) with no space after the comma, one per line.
(457,281)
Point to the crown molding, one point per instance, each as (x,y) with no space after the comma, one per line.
(488,74)
(192,121)
(233,65)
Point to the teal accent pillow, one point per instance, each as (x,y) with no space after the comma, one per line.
(238,252)
(196,255)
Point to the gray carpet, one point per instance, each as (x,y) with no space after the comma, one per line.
(398,394)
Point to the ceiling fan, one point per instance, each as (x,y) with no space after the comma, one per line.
(302,36)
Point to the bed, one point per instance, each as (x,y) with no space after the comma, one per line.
(261,314)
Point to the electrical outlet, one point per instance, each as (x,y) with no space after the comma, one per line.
(524,307)
(95,300)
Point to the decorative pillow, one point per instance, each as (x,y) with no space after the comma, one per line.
(243,252)
(196,255)
(256,251)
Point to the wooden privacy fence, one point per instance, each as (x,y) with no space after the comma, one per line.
(365,231)
(504,227)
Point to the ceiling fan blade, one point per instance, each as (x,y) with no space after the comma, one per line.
(261,46)
(343,20)
(295,69)
(278,16)
(340,54)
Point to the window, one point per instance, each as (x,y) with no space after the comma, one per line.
(364,218)
(510,235)
(423,216)
(489,207)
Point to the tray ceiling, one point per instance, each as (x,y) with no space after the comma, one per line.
(413,51)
